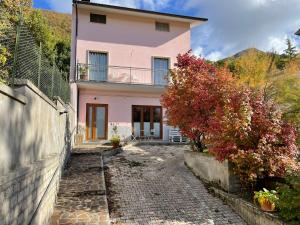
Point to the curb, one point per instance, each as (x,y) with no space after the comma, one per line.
(104,215)
(249,212)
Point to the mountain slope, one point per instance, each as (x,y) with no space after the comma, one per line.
(60,23)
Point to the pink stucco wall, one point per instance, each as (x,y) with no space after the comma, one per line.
(119,104)
(129,41)
(119,107)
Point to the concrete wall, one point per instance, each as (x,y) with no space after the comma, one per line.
(211,170)
(35,142)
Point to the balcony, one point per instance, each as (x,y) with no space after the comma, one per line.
(121,75)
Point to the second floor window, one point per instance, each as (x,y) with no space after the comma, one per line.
(162,26)
(97,18)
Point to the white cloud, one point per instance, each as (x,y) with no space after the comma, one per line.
(214,56)
(199,51)
(235,25)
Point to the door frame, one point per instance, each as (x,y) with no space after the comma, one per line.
(151,118)
(94,106)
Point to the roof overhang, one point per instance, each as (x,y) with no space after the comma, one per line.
(298,32)
(193,21)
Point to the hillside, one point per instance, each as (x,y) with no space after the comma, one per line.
(60,23)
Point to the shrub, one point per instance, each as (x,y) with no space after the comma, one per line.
(289,202)
(265,144)
(196,91)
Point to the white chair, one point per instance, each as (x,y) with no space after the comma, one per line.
(175,134)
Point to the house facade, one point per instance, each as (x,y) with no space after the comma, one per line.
(120,64)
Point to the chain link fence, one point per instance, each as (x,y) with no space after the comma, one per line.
(21,57)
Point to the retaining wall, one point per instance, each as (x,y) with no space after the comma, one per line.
(35,143)
(212,171)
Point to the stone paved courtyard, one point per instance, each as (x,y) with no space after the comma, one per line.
(151,185)
(81,199)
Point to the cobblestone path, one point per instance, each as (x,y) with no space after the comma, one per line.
(151,185)
(81,198)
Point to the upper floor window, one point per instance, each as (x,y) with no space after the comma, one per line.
(162,26)
(97,18)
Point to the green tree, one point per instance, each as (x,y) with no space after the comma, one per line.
(290,51)
(62,59)
(42,32)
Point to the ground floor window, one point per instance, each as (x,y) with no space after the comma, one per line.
(147,121)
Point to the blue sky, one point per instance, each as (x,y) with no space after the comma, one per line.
(233,25)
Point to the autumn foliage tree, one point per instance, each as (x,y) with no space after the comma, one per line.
(238,123)
(192,98)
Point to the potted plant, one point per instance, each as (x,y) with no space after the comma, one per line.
(266,199)
(83,72)
(115,141)
(115,138)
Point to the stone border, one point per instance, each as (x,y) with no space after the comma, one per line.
(249,212)
(141,143)
(106,212)
(112,152)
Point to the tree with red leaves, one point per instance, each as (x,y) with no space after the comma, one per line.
(198,89)
(240,125)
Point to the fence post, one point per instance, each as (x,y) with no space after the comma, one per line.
(17,43)
(60,79)
(39,65)
(52,74)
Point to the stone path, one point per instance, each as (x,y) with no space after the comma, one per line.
(151,185)
(81,198)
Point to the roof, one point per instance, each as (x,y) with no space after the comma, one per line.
(194,21)
(298,32)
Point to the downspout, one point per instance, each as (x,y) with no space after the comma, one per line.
(76,35)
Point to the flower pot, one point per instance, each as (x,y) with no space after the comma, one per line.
(267,206)
(83,77)
(116,145)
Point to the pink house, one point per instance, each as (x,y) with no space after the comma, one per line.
(120,63)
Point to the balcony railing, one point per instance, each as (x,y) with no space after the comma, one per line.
(120,74)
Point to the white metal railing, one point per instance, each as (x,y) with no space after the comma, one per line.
(121,74)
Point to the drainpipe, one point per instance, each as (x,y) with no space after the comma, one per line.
(75,73)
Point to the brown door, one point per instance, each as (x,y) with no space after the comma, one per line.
(96,122)
(147,121)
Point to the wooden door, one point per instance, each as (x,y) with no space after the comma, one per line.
(147,121)
(96,122)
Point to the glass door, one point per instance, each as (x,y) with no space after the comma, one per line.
(147,121)
(98,66)
(96,122)
(160,71)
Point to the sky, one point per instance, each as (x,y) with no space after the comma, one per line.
(233,25)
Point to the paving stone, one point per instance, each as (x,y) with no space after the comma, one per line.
(150,185)
(81,198)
